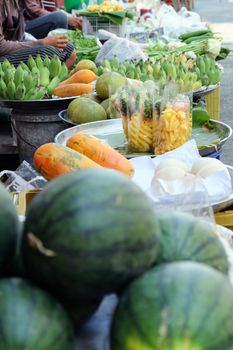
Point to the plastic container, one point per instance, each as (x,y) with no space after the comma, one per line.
(216,154)
(91,25)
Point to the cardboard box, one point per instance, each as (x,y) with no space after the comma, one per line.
(23,199)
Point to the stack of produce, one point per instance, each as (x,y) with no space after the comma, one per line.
(190,71)
(83,151)
(76,84)
(32,81)
(91,107)
(106,6)
(80,242)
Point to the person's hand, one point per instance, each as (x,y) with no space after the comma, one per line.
(75,22)
(59,41)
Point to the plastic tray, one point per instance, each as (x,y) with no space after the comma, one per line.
(111,131)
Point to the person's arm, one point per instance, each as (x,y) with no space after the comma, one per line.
(8,46)
(34,9)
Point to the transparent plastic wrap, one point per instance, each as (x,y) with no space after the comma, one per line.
(121,48)
(137,105)
(155,119)
(172,125)
(23,178)
(183,172)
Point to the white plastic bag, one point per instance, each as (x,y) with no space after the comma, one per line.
(122,48)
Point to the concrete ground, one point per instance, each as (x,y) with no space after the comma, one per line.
(219,13)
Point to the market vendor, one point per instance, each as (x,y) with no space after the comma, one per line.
(16,49)
(39,21)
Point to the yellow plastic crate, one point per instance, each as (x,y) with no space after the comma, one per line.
(225,218)
(213,104)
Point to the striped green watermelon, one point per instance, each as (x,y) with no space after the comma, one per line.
(89,233)
(184,237)
(9,229)
(30,319)
(176,306)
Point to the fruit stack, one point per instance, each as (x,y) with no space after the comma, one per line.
(32,81)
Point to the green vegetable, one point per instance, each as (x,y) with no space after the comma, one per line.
(186,36)
(86,47)
(198,38)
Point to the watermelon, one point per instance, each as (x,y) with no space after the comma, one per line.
(88,233)
(9,229)
(185,237)
(176,306)
(32,319)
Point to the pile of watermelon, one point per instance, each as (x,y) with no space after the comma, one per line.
(94,232)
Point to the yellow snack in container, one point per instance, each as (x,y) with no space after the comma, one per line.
(173,127)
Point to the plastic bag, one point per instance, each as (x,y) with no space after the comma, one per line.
(122,48)
(23,178)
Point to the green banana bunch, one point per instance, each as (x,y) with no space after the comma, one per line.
(39,62)
(36,75)
(107,64)
(31,62)
(44,76)
(3,89)
(19,76)
(10,91)
(205,80)
(207,60)
(46,61)
(100,70)
(5,65)
(20,92)
(24,67)
(171,71)
(54,67)
(52,85)
(8,75)
(131,73)
(201,65)
(115,64)
(156,69)
(29,82)
(35,94)
(64,73)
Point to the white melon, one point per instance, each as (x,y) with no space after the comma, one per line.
(203,162)
(211,169)
(173,163)
(170,173)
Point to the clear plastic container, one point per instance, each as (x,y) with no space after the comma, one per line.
(172,126)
